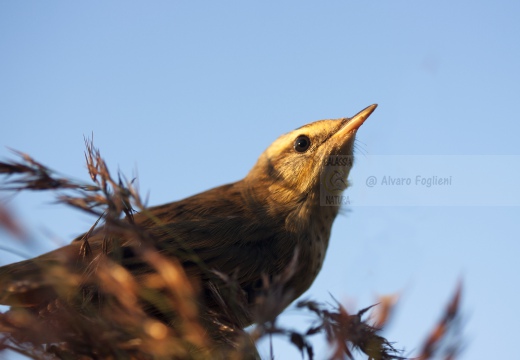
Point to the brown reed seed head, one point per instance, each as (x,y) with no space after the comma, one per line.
(236,242)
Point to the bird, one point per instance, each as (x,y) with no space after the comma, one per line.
(248,231)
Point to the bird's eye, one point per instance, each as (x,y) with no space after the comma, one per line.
(302,143)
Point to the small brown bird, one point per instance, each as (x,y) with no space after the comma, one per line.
(249,230)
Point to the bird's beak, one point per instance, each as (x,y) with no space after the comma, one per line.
(343,137)
(357,120)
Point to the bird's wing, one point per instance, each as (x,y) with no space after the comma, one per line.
(211,231)
(29,282)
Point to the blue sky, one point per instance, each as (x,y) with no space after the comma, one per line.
(187,95)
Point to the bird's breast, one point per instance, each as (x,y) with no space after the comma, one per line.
(312,247)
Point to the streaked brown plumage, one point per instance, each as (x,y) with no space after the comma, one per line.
(247,230)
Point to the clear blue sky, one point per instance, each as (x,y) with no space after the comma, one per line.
(189,94)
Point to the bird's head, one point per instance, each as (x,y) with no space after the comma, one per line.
(292,168)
